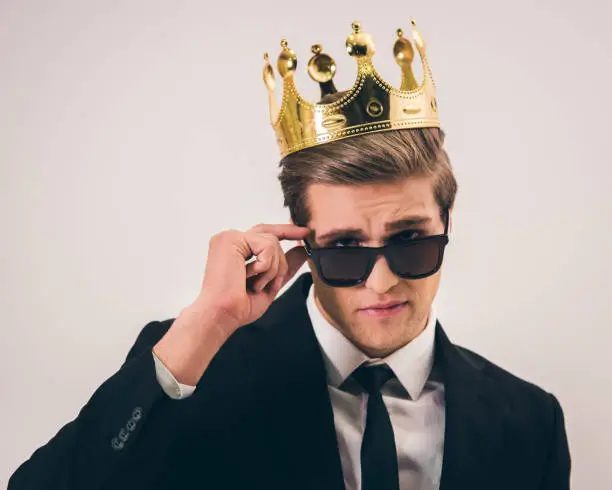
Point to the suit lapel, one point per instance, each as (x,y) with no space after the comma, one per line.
(475,414)
(302,418)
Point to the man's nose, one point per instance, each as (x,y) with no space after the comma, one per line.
(382,278)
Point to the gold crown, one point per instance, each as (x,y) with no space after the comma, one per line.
(370,106)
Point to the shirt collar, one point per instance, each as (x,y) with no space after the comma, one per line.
(411,364)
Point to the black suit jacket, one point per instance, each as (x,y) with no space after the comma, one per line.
(261,417)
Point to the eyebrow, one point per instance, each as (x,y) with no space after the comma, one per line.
(391,227)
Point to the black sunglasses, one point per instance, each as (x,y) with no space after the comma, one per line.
(411,259)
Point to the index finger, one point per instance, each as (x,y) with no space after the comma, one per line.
(283,231)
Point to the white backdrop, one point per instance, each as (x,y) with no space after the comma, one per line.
(132,131)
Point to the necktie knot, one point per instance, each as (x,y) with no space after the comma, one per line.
(372,378)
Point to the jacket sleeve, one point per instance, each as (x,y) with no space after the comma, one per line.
(558,467)
(114,427)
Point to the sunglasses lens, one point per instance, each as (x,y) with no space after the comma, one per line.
(418,258)
(343,266)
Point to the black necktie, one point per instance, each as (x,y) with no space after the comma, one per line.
(378,453)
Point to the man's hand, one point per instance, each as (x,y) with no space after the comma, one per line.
(240,293)
(234,293)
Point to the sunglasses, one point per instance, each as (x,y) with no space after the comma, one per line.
(410,259)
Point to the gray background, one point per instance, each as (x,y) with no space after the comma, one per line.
(132,131)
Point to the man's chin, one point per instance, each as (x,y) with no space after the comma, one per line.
(377,339)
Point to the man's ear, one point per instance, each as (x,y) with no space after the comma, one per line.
(450,219)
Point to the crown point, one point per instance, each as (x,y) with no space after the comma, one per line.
(360,44)
(404,55)
(268,74)
(418,39)
(403,51)
(287,60)
(321,66)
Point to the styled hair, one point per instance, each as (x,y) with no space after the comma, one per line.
(372,158)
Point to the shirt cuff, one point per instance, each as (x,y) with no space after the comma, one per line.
(168,382)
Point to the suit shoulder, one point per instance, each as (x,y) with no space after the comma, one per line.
(511,384)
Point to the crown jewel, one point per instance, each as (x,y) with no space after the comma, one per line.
(371,105)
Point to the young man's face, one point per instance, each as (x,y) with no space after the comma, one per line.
(370,208)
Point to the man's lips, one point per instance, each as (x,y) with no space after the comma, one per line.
(383,306)
(384,310)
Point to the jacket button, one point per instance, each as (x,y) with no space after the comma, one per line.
(131,425)
(137,413)
(116,444)
(123,435)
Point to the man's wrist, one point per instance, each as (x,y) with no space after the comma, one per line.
(192,341)
(208,316)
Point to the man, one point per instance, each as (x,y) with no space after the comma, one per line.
(347,380)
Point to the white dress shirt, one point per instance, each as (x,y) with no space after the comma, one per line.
(414,399)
